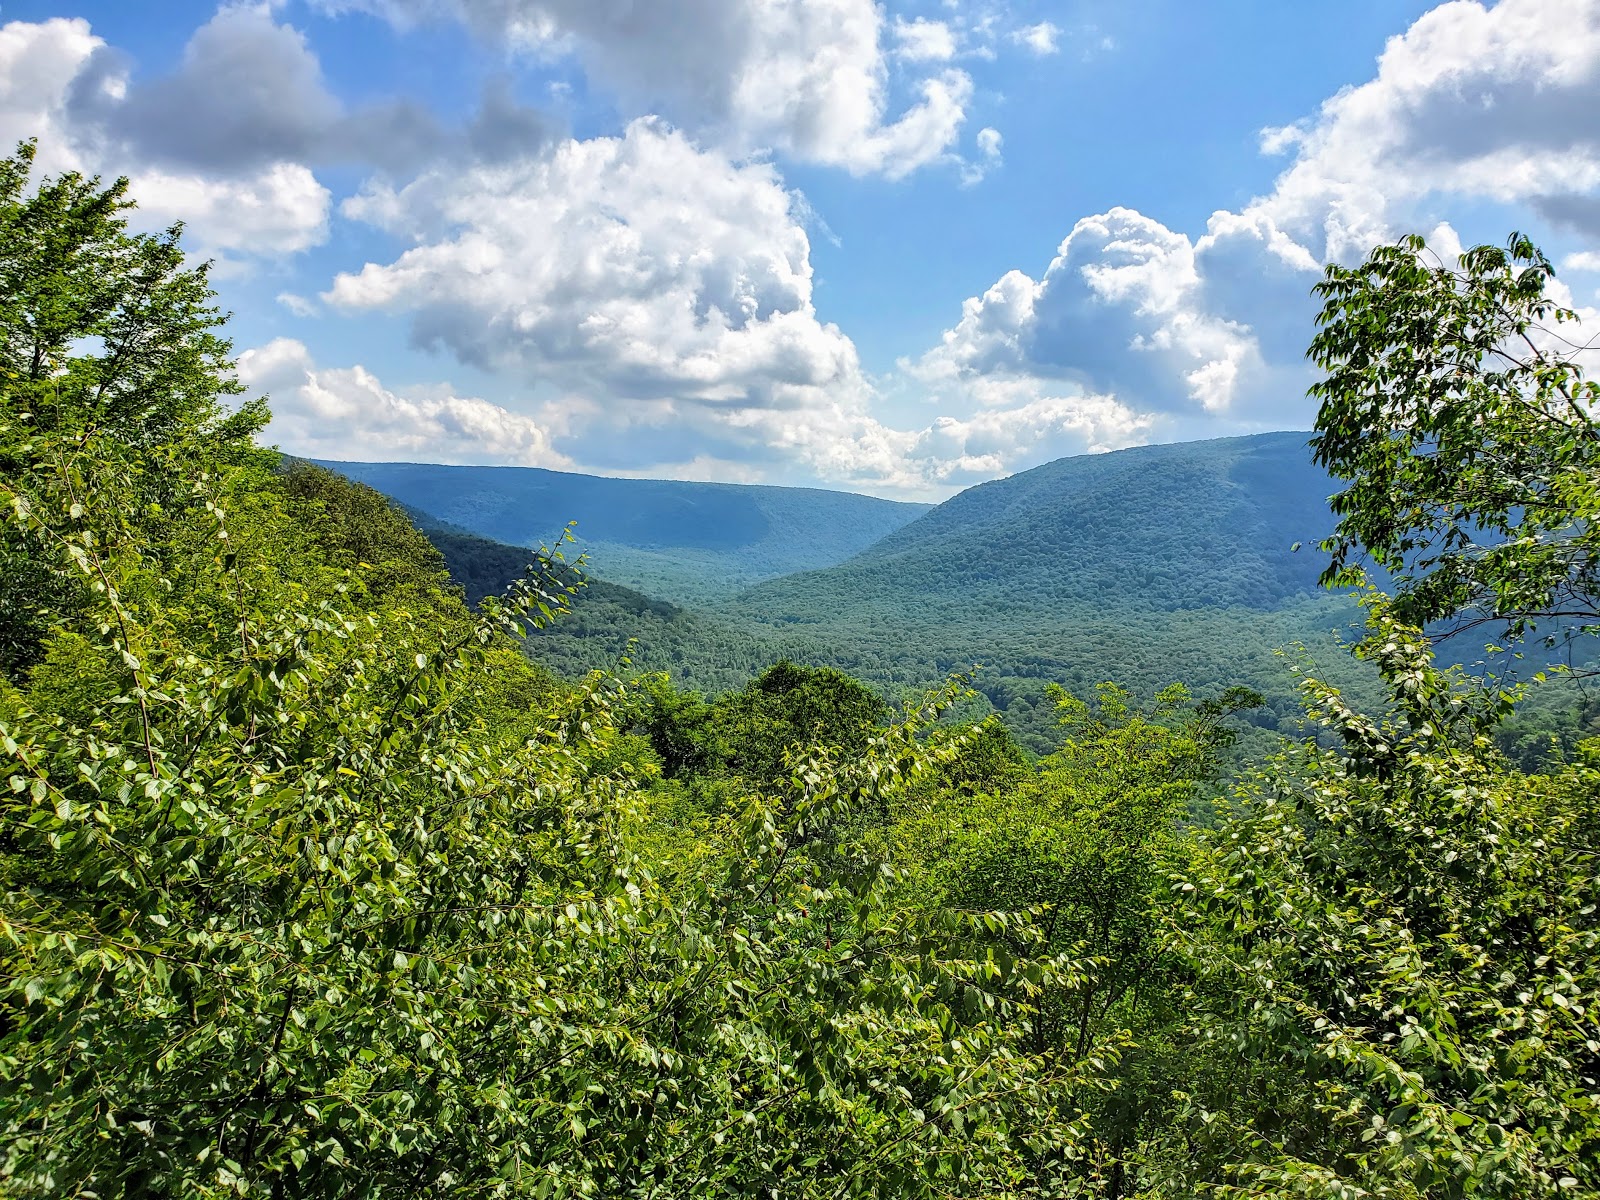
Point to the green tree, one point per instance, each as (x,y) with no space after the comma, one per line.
(681,727)
(1454,405)
(1394,943)
(101,332)
(1087,844)
(789,707)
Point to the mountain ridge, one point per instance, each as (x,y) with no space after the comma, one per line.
(678,540)
(1259,494)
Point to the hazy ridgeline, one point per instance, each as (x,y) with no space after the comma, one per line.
(1195,562)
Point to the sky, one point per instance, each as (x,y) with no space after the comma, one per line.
(896,248)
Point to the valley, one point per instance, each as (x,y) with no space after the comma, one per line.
(1193,562)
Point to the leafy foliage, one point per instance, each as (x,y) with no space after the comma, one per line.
(1454,405)
(282,917)
(1398,936)
(101,332)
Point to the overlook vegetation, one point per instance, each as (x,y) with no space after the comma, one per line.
(315,883)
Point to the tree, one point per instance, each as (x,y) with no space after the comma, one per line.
(299,899)
(102,332)
(789,707)
(356,527)
(1395,944)
(1088,844)
(1454,404)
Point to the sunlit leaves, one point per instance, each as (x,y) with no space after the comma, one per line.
(1401,932)
(1454,403)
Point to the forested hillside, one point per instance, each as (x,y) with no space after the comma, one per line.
(313,885)
(1196,561)
(1144,565)
(1153,529)
(1018,653)
(678,541)
(612,624)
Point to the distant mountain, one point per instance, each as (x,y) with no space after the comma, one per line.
(1197,525)
(1145,566)
(681,541)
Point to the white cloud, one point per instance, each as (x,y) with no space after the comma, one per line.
(346,413)
(809,78)
(664,294)
(1020,423)
(653,297)
(638,267)
(1494,105)
(922,40)
(1042,39)
(1024,424)
(1120,310)
(298,305)
(279,209)
(48,67)
(658,297)
(38,63)
(989,143)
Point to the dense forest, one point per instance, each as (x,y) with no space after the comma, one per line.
(321,877)
(1195,561)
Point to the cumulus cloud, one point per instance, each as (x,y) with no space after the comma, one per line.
(51,72)
(1489,104)
(653,294)
(843,444)
(38,64)
(1120,309)
(1023,424)
(664,293)
(247,91)
(228,141)
(810,78)
(250,92)
(922,40)
(347,413)
(1494,103)
(638,266)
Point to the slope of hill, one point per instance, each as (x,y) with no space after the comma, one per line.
(1144,566)
(681,541)
(1153,529)
(610,622)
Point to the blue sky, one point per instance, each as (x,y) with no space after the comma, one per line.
(895,247)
